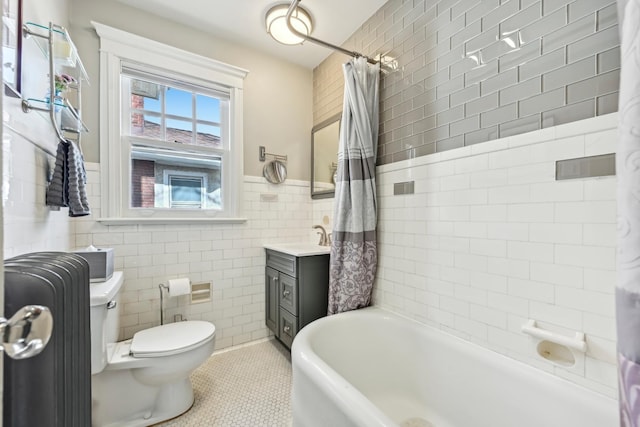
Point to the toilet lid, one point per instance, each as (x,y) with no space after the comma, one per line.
(172,338)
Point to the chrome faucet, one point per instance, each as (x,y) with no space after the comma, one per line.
(324,238)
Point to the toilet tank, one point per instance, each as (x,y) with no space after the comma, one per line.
(104,300)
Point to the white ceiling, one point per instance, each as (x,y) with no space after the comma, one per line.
(242,21)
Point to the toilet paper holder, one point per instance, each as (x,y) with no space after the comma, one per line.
(162,286)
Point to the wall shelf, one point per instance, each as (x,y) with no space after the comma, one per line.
(65,53)
(70,120)
(57,47)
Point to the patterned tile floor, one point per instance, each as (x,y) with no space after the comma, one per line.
(246,387)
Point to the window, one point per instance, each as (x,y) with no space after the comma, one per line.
(179,128)
(172,146)
(186,192)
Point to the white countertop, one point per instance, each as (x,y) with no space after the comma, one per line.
(298,249)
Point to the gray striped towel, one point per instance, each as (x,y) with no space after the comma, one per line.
(68,186)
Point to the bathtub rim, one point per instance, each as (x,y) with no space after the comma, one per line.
(333,384)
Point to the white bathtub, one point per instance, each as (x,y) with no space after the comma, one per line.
(373,368)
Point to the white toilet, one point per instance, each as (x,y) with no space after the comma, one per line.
(144,380)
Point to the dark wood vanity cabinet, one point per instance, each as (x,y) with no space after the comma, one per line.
(296,292)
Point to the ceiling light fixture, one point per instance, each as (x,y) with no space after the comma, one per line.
(276,21)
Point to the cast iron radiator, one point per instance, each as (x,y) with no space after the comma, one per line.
(54,387)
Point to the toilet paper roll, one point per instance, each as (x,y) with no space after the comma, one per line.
(181,286)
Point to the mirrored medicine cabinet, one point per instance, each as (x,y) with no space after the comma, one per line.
(324,157)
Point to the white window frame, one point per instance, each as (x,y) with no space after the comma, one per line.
(118,48)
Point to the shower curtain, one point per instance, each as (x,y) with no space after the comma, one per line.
(628,175)
(353,250)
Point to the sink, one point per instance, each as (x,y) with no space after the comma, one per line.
(299,249)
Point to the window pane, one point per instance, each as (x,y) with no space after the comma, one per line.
(208,135)
(150,104)
(186,191)
(145,95)
(207,108)
(166,113)
(171,179)
(179,103)
(179,131)
(146,125)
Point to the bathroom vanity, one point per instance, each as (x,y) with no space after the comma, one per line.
(296,286)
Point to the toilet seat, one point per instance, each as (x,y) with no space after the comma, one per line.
(170,339)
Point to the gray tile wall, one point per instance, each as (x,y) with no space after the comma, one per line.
(476,70)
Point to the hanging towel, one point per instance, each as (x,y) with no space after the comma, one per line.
(68,187)
(76,182)
(55,196)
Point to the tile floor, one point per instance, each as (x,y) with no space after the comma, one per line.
(246,387)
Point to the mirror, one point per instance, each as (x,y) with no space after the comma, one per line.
(324,157)
(275,172)
(11,47)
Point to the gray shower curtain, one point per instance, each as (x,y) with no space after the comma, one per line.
(353,250)
(628,174)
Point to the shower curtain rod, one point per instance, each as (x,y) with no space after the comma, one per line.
(328,45)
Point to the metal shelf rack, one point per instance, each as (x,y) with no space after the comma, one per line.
(56,45)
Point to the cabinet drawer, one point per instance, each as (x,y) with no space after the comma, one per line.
(282,262)
(288,293)
(288,327)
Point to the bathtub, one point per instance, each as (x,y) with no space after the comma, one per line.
(374,368)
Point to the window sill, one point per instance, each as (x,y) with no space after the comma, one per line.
(133,221)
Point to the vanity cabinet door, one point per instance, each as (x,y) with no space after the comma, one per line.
(272,300)
(289,294)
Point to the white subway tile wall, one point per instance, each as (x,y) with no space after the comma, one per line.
(473,71)
(29,225)
(230,256)
(490,239)
(322,214)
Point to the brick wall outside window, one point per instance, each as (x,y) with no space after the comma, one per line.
(142,183)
